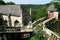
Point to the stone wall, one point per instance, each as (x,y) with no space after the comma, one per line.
(13,19)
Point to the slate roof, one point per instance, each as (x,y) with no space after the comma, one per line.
(11,9)
(51,8)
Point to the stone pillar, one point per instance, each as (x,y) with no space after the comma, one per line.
(9,16)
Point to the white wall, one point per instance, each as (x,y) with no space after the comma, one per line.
(5,17)
(48,13)
(13,18)
(56,15)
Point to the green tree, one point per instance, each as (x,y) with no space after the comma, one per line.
(57,0)
(2,2)
(10,3)
(38,11)
(34,38)
(39,33)
(41,12)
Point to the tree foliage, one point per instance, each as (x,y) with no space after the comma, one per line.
(10,3)
(56,0)
(39,33)
(2,2)
(57,5)
(38,11)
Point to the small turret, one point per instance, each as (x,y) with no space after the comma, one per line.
(52,11)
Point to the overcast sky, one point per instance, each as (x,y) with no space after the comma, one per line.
(29,1)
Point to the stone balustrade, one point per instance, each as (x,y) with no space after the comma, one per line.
(52,35)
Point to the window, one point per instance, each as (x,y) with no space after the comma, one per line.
(16,23)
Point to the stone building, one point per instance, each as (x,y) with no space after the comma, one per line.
(14,15)
(52,11)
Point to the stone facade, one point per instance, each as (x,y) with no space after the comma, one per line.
(14,15)
(14,19)
(5,17)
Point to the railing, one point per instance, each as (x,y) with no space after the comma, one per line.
(11,29)
(49,23)
(52,34)
(38,21)
(8,29)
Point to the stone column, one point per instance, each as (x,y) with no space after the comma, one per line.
(9,16)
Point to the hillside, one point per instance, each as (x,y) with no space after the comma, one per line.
(38,11)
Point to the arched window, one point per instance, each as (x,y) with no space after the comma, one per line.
(16,23)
